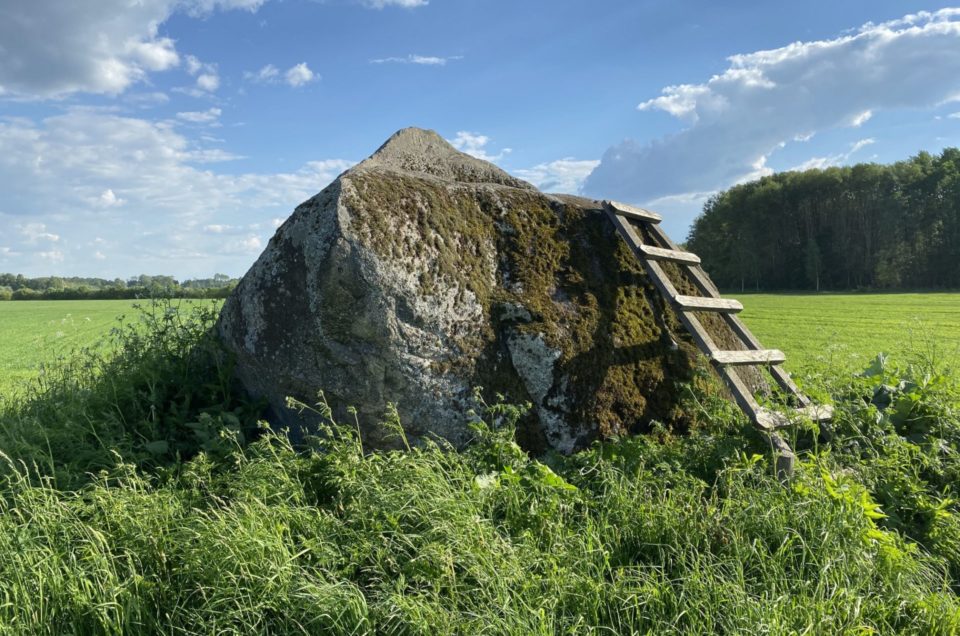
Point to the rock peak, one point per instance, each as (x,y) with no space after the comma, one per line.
(406,138)
(426,152)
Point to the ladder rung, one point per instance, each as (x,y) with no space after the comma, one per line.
(773,420)
(703,303)
(673,256)
(632,212)
(756,356)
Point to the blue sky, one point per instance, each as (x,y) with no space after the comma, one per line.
(172,136)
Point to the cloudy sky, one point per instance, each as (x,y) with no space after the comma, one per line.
(172,136)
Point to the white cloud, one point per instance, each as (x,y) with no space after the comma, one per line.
(155,55)
(208,116)
(252,244)
(52,48)
(406,4)
(299,75)
(860,145)
(108,199)
(60,173)
(242,247)
(562,176)
(202,7)
(54,256)
(423,60)
(953,116)
(36,232)
(209,82)
(207,77)
(268,73)
(837,159)
(917,18)
(193,65)
(295,76)
(680,101)
(861,118)
(100,256)
(210,155)
(146,100)
(737,119)
(686,199)
(817,163)
(475,144)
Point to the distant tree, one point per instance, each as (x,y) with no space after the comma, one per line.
(25,293)
(18,287)
(812,262)
(869,225)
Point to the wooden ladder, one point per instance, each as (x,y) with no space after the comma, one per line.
(768,422)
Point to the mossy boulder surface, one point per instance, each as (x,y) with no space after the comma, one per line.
(422,273)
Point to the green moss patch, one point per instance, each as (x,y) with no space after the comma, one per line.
(586,294)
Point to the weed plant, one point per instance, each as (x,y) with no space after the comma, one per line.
(138,495)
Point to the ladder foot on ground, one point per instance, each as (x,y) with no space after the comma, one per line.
(767,421)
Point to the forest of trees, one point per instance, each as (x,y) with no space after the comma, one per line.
(867,226)
(18,287)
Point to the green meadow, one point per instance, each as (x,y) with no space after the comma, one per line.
(848,330)
(34,332)
(844,330)
(139,494)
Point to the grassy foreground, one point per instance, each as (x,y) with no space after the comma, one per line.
(139,495)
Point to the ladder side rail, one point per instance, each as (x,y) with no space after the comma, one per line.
(742,395)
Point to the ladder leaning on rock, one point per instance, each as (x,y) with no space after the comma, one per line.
(767,421)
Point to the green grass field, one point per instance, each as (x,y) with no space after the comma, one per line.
(841,330)
(139,495)
(37,332)
(134,501)
(847,330)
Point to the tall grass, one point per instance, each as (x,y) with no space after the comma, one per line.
(656,534)
(159,389)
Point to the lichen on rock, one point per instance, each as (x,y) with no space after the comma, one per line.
(423,272)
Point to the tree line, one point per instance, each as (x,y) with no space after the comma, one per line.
(867,226)
(19,287)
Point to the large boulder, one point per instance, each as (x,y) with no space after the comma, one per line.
(422,273)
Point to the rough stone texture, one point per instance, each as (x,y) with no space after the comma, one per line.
(423,272)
